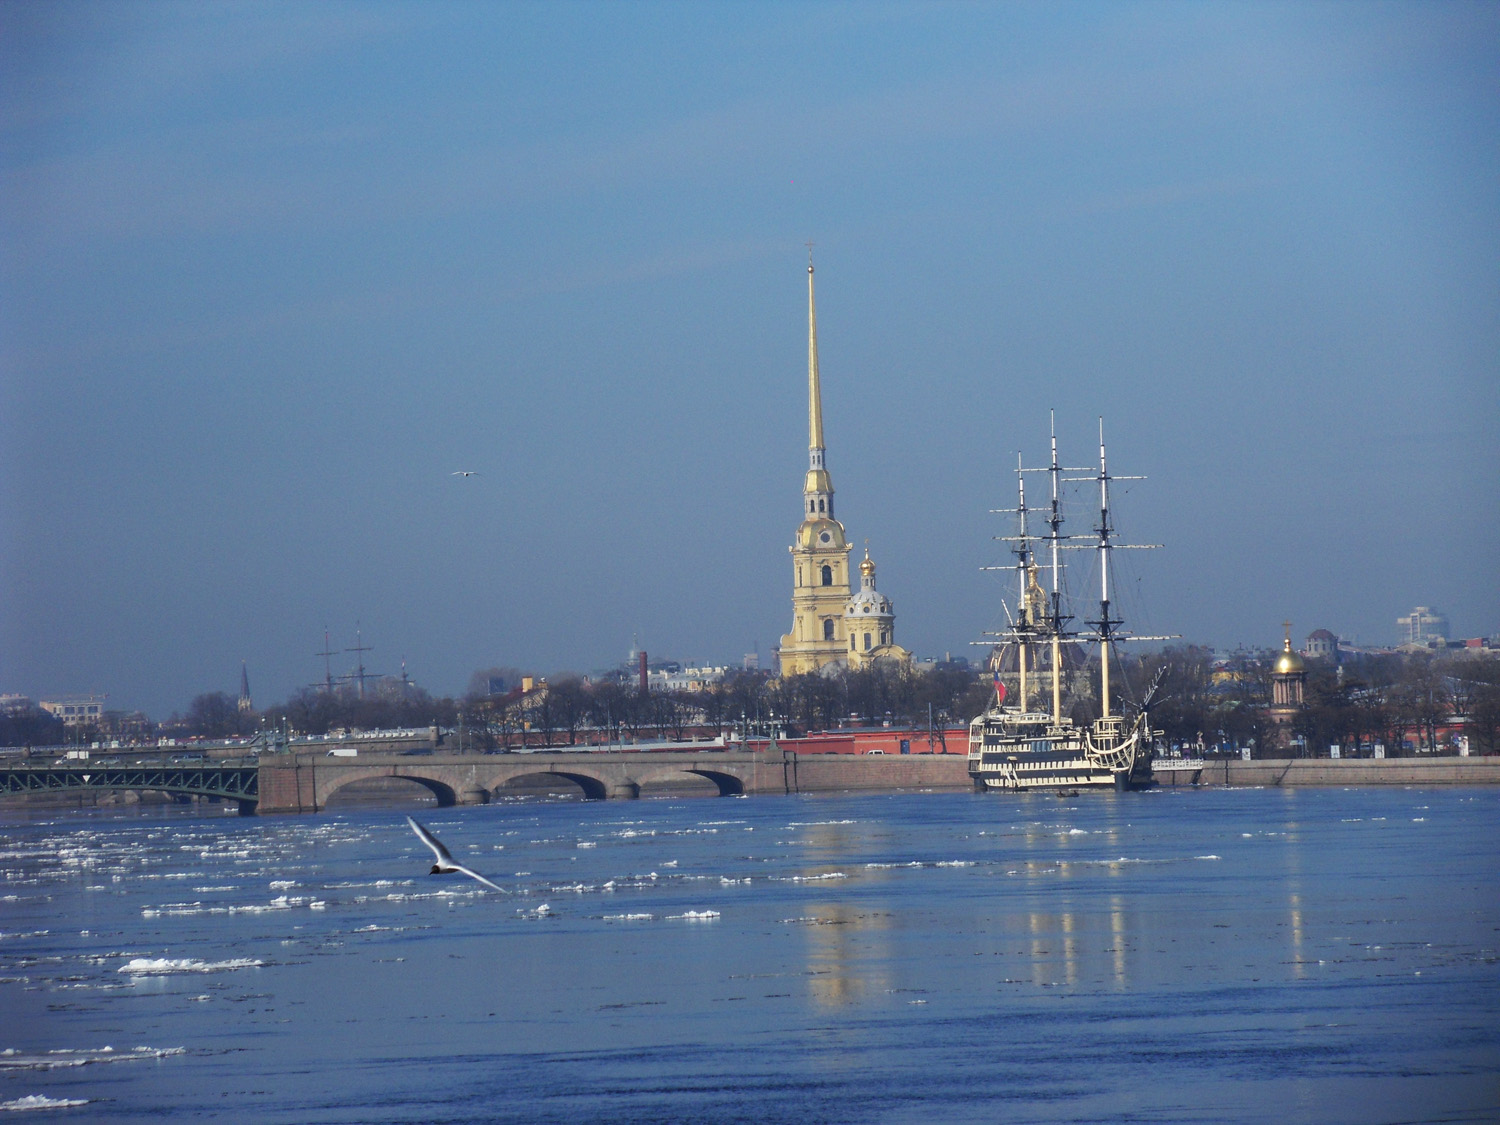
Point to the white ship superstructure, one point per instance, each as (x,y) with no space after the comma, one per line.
(1022,746)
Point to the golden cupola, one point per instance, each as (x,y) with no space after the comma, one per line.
(1288,663)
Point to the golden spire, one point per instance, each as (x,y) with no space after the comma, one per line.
(818,488)
(814,392)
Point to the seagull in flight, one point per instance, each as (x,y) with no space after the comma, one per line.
(445,864)
(465,473)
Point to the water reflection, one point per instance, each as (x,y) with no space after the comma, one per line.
(848,954)
(1293,853)
(848,948)
(1117,932)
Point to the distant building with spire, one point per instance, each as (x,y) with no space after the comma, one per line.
(829,626)
(245,704)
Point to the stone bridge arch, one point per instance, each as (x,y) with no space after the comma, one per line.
(445,794)
(594,788)
(728,784)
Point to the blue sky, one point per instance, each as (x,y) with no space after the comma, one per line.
(271,273)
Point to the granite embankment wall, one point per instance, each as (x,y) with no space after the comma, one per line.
(1291,772)
(827,773)
(831,772)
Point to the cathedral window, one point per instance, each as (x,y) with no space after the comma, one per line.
(851,642)
(827,575)
(828,627)
(867,642)
(882,636)
(820,505)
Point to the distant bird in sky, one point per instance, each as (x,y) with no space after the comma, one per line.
(465,473)
(445,864)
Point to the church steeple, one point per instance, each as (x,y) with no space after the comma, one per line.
(817,492)
(824,616)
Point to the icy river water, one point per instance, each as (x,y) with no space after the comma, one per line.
(1196,956)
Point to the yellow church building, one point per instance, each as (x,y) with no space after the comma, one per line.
(831,625)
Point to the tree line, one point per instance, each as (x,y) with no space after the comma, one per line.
(1363,699)
(1389,698)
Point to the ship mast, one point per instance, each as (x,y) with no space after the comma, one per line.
(1023,557)
(1054,539)
(1105,624)
(1024,626)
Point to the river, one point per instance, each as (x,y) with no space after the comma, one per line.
(1246,955)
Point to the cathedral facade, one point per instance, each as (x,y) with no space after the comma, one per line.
(831,624)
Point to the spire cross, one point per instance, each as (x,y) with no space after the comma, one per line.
(809,245)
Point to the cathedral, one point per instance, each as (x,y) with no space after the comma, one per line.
(831,624)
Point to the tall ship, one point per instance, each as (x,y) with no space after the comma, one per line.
(1026,741)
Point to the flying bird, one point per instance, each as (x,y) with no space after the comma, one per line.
(445,864)
(465,473)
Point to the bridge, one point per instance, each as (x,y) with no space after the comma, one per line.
(229,780)
(304,783)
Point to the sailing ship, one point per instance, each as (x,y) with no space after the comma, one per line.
(1026,744)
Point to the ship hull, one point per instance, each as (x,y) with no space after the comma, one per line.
(1013,751)
(1000,770)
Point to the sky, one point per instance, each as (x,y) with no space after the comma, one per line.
(271,273)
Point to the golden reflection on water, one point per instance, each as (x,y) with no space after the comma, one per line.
(848,949)
(847,952)
(1294,890)
(1117,932)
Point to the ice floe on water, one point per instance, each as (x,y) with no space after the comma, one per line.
(810,878)
(11,1059)
(185,909)
(41,1101)
(694,916)
(160,966)
(629,917)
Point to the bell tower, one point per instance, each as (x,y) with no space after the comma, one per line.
(820,549)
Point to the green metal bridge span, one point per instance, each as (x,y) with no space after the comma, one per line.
(226,780)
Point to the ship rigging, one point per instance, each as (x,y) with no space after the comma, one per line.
(1013,746)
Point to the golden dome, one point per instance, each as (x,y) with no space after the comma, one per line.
(1288,663)
(868,566)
